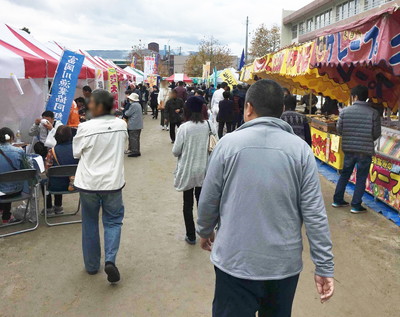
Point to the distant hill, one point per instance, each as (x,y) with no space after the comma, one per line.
(110,54)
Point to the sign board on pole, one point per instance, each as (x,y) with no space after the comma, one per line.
(149,64)
(64,85)
(99,79)
(228,77)
(113,85)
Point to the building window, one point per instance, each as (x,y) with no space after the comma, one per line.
(294,32)
(301,28)
(347,9)
(323,19)
(370,4)
(309,25)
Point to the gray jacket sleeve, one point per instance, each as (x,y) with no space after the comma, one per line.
(211,192)
(315,219)
(34,130)
(339,124)
(376,126)
(130,111)
(178,144)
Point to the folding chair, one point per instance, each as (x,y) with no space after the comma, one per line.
(60,171)
(27,175)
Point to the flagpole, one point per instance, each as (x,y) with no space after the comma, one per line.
(247,40)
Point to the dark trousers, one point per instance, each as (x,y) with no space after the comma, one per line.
(172,132)
(188,202)
(6,207)
(57,201)
(134,141)
(363,163)
(221,128)
(154,111)
(235,297)
(144,106)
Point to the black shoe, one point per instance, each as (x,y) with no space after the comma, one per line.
(92,272)
(134,155)
(340,204)
(172,142)
(112,272)
(358,210)
(190,241)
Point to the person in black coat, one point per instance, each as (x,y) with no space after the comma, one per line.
(174,113)
(225,114)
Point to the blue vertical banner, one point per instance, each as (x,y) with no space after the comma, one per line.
(242,61)
(64,85)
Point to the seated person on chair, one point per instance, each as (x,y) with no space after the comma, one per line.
(59,155)
(11,159)
(44,130)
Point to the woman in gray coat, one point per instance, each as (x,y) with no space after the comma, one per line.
(191,149)
(134,115)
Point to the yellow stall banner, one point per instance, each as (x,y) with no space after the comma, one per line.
(113,85)
(228,77)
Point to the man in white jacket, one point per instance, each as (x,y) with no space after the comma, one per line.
(217,97)
(99,145)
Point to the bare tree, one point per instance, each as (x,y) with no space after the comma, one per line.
(210,50)
(265,40)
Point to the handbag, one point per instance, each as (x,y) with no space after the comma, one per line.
(71,187)
(212,139)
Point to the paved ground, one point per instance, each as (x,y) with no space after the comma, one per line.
(42,271)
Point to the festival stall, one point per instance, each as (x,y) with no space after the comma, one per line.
(179,77)
(365,52)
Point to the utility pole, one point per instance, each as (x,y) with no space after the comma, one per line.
(247,40)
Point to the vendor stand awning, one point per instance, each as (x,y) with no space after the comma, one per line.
(366,52)
(179,77)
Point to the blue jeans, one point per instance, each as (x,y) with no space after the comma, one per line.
(363,163)
(113,214)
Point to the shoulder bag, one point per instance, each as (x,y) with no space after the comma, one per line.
(212,139)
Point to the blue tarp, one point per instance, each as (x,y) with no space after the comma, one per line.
(331,175)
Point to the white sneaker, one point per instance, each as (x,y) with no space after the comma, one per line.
(162,127)
(167,128)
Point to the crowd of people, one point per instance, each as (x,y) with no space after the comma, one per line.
(256,187)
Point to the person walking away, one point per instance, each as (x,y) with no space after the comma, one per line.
(237,110)
(181,91)
(261,184)
(296,120)
(174,113)
(44,130)
(163,96)
(99,145)
(143,98)
(217,97)
(154,102)
(135,125)
(200,93)
(191,149)
(11,159)
(59,155)
(225,114)
(359,125)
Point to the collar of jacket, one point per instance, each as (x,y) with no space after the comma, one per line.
(269,121)
(361,103)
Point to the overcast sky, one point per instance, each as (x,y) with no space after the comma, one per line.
(119,24)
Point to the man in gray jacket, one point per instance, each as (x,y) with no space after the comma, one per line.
(134,115)
(262,183)
(359,126)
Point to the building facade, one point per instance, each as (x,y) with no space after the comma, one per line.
(303,25)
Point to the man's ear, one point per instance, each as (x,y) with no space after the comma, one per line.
(249,109)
